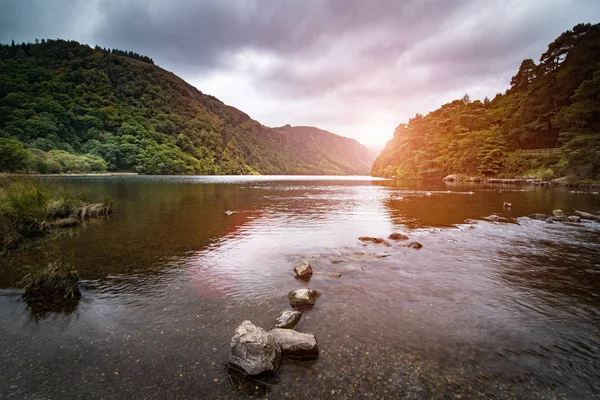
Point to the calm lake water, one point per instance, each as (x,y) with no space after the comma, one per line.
(483,310)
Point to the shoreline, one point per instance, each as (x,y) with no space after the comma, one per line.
(529,181)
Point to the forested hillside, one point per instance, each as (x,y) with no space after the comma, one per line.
(554,104)
(66,107)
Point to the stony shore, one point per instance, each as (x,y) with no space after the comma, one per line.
(524,181)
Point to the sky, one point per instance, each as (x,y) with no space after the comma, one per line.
(354,67)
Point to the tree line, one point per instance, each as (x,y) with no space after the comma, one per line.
(554,103)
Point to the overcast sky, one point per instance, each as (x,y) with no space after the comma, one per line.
(354,67)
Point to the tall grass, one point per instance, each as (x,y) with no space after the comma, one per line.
(30,208)
(55,282)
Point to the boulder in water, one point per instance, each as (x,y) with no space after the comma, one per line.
(374,240)
(585,215)
(303,298)
(415,245)
(288,319)
(254,350)
(574,218)
(558,213)
(303,270)
(296,344)
(397,236)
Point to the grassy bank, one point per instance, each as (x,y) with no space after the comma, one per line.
(30,208)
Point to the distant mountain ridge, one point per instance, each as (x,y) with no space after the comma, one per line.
(67,107)
(337,152)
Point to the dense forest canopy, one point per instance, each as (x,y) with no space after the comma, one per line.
(67,107)
(554,104)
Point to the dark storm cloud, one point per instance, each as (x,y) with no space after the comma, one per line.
(346,65)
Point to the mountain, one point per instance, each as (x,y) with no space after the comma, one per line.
(67,107)
(337,154)
(547,124)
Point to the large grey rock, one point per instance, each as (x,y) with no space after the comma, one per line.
(303,270)
(303,298)
(254,350)
(585,215)
(296,344)
(288,319)
(558,213)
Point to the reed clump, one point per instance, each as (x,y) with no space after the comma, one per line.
(56,282)
(30,208)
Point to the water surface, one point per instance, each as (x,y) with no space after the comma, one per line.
(483,310)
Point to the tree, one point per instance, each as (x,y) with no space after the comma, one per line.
(13,156)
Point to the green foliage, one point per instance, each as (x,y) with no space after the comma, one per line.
(551,104)
(82,109)
(13,156)
(29,208)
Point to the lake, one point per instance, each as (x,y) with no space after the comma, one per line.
(483,310)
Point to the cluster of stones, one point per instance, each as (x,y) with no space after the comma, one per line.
(256,351)
(560,216)
(393,236)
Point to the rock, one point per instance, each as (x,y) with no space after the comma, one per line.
(494,218)
(254,350)
(415,245)
(541,217)
(549,220)
(229,212)
(322,276)
(296,344)
(452,178)
(303,298)
(303,270)
(374,240)
(397,236)
(560,218)
(470,221)
(558,213)
(288,319)
(574,218)
(507,205)
(585,215)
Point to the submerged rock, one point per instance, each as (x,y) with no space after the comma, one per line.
(574,218)
(506,205)
(303,298)
(415,245)
(229,212)
(470,221)
(288,319)
(296,344)
(303,270)
(254,350)
(560,218)
(585,215)
(397,236)
(321,276)
(374,240)
(541,217)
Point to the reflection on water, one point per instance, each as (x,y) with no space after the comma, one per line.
(482,310)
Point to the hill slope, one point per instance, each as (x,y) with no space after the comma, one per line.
(553,104)
(337,153)
(78,109)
